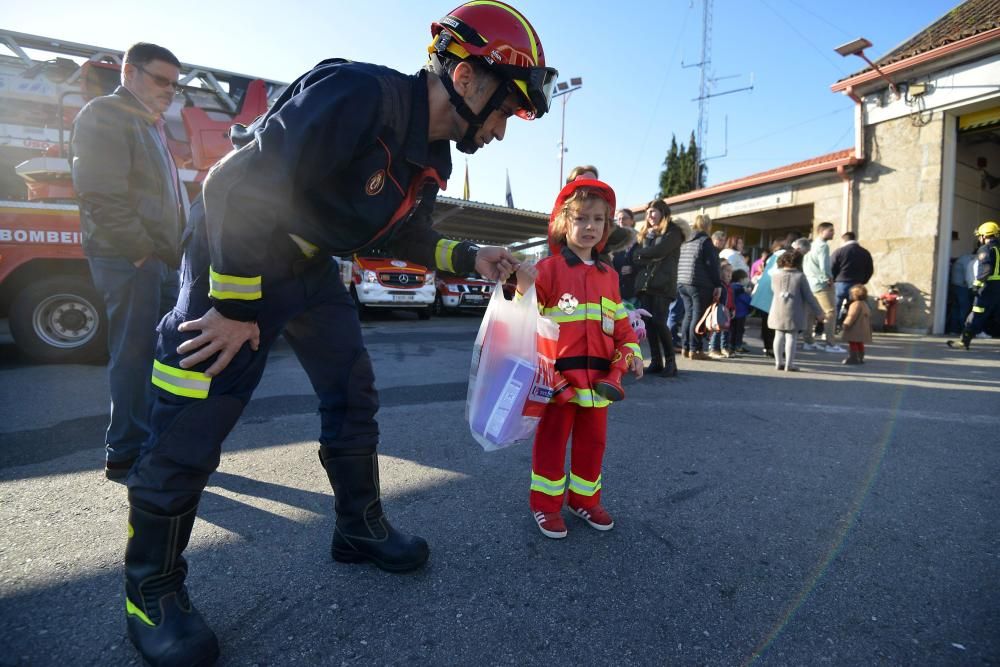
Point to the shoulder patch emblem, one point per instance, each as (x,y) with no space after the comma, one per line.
(568,303)
(375,183)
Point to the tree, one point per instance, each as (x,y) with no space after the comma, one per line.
(681,172)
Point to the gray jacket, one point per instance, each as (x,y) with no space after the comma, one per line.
(128,206)
(791,298)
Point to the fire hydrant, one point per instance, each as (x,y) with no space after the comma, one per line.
(891,302)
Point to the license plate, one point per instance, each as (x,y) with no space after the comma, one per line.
(474,298)
(402,297)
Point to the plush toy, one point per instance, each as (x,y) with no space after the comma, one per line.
(635,316)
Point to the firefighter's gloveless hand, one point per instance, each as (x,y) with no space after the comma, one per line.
(495,263)
(636,367)
(219,335)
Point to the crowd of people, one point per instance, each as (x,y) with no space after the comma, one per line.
(675,271)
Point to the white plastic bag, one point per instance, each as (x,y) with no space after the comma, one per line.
(506,380)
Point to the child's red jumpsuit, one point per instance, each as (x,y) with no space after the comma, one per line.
(593,328)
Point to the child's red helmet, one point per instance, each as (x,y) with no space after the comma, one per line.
(500,38)
(601,189)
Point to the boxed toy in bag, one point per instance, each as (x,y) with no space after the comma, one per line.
(507,384)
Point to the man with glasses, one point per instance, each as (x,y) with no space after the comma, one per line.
(132,213)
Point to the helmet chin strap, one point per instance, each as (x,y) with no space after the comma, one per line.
(467,144)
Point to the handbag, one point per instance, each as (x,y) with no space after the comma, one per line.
(714,319)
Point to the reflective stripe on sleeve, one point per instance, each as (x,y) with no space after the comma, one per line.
(191,384)
(586,398)
(443,255)
(636,350)
(221,286)
(547,486)
(582,487)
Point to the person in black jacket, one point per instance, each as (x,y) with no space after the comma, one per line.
(850,265)
(131,215)
(622,257)
(656,282)
(699,283)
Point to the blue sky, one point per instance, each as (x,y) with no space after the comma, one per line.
(635,92)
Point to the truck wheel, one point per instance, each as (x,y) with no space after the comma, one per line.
(60,320)
(438,306)
(425,313)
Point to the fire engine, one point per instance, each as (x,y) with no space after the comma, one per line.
(54,312)
(456,293)
(377,280)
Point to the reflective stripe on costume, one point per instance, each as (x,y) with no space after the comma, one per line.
(636,350)
(584,311)
(443,255)
(587,398)
(547,486)
(582,487)
(221,286)
(191,384)
(132,610)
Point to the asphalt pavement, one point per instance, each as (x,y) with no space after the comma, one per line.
(841,515)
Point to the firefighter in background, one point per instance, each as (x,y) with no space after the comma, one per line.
(597,345)
(350,155)
(986,304)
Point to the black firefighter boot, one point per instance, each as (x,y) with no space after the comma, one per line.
(162,622)
(362,531)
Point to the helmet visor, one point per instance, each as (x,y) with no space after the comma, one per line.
(535,85)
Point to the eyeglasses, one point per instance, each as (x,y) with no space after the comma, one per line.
(159,80)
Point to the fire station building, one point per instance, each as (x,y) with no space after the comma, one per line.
(923,173)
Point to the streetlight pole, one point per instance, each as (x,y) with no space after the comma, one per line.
(564,90)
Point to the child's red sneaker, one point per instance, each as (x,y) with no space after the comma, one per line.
(596,516)
(551,524)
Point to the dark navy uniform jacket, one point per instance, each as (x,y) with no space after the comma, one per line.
(988,268)
(340,162)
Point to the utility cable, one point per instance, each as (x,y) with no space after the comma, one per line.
(805,39)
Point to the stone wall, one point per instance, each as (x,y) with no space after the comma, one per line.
(896,212)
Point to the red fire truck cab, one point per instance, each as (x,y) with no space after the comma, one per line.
(377,280)
(457,293)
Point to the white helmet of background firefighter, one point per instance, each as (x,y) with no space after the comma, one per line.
(498,38)
(988,230)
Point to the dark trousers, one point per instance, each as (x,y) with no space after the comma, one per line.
(766,333)
(842,297)
(737,328)
(985,307)
(675,316)
(696,300)
(661,347)
(134,298)
(192,414)
(959,307)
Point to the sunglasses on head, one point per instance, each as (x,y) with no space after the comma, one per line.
(159,80)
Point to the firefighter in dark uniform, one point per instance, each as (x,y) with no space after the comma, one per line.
(986,304)
(351,155)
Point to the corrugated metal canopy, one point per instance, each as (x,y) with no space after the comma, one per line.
(486,223)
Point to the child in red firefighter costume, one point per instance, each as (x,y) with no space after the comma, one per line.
(597,345)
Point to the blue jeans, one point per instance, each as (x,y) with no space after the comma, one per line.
(696,300)
(720,340)
(842,296)
(675,315)
(132,300)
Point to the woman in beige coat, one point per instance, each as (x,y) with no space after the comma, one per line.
(857,326)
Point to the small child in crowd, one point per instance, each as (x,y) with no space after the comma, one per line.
(596,346)
(720,344)
(857,325)
(741,311)
(792,295)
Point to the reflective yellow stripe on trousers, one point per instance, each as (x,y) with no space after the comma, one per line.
(547,486)
(582,487)
(190,384)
